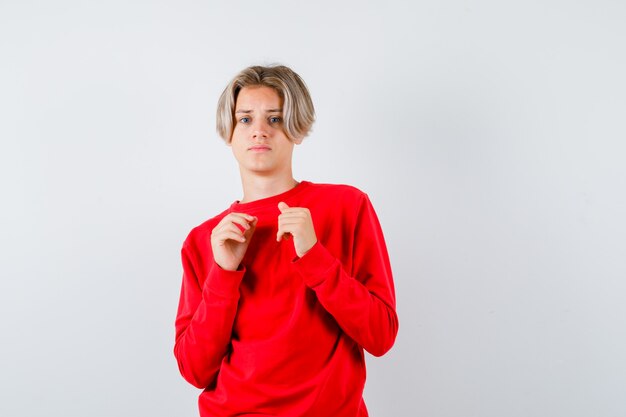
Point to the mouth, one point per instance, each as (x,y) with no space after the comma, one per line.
(260,148)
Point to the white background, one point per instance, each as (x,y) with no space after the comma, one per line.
(488,134)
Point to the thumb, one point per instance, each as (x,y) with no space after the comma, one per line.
(252,228)
(282,206)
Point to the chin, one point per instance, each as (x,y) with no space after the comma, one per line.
(260,169)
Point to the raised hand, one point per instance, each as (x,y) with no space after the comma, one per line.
(297,222)
(230,239)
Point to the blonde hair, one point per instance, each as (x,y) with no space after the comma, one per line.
(298,110)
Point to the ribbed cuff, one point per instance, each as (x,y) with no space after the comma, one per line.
(224,283)
(315,264)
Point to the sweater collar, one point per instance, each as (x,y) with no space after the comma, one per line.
(268,201)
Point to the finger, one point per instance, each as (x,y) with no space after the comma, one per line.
(294,219)
(283,235)
(291,224)
(282,206)
(230,235)
(296,212)
(228,228)
(293,216)
(245,216)
(283,232)
(252,228)
(241,220)
(293,210)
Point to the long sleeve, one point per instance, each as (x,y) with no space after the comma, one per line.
(361,300)
(204,320)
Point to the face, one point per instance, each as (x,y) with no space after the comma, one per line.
(259,142)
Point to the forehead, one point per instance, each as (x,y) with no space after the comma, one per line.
(258,97)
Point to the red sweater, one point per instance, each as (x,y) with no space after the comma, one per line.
(284,336)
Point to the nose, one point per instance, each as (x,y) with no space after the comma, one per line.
(260,130)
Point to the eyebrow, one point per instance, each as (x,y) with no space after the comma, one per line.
(266,111)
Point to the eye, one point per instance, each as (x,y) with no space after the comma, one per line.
(244,120)
(275,119)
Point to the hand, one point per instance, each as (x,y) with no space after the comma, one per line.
(297,222)
(230,239)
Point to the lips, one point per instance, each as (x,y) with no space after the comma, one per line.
(260,148)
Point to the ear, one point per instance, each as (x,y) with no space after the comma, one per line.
(298,140)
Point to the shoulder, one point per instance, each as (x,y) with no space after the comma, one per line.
(338,192)
(335,201)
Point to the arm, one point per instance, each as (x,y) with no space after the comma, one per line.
(204,321)
(206,313)
(362,301)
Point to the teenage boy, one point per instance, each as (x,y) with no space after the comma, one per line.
(283,290)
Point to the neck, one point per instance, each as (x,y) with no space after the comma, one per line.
(258,187)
